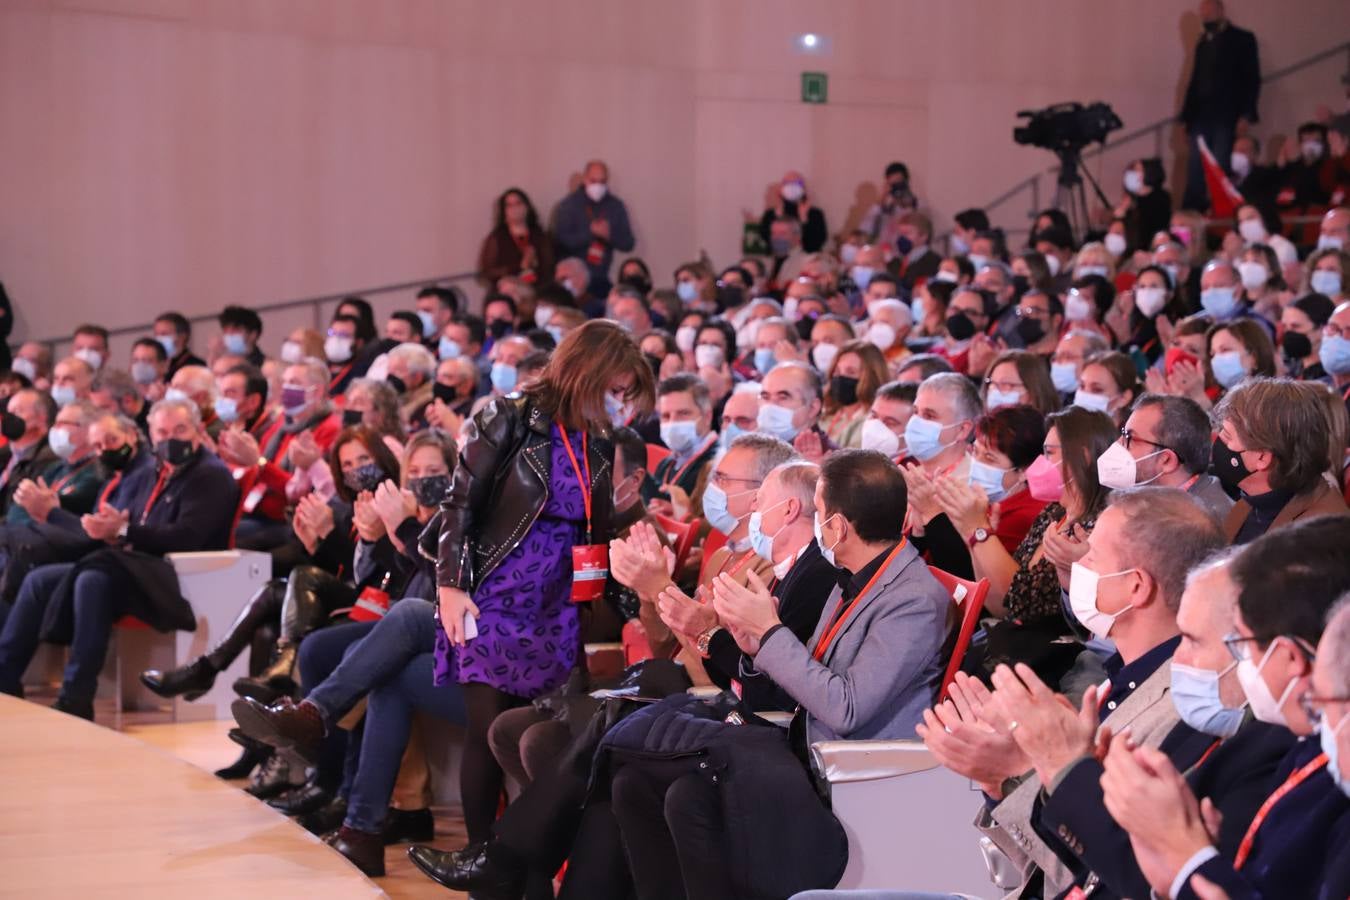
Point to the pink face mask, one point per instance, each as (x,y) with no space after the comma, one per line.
(1045,481)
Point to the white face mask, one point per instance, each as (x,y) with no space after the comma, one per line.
(1095,402)
(881,335)
(1134,182)
(1083,599)
(822,355)
(1150,300)
(1240,163)
(596,191)
(793,191)
(1263,703)
(777,421)
(685,337)
(338,349)
(709,356)
(291,352)
(826,552)
(876,436)
(1253,274)
(1052,262)
(1253,231)
(1077,308)
(1118,469)
(1115,243)
(91,356)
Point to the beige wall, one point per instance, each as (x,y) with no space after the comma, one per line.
(188,153)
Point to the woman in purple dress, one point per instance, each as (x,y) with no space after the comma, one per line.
(533,482)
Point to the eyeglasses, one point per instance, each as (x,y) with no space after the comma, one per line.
(1128,437)
(1030,312)
(1006,386)
(1234,642)
(1312,706)
(722,480)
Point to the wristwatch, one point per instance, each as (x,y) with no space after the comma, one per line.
(705,639)
(979,537)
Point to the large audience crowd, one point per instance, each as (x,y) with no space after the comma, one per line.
(762,480)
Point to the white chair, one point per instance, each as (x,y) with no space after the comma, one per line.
(907,818)
(216,584)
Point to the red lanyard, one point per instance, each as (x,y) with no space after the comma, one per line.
(670,478)
(1293,781)
(585,484)
(337,379)
(65,479)
(154,495)
(109,488)
(826,639)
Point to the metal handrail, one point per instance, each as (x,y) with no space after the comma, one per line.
(1157,129)
(282,305)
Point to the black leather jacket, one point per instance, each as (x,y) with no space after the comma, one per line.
(499,488)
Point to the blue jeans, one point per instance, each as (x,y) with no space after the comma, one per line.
(98,602)
(389,714)
(406,631)
(320,654)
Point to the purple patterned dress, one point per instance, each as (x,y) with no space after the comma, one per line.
(527,624)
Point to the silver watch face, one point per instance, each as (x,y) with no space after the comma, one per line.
(981,534)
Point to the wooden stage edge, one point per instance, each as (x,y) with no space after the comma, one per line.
(89,812)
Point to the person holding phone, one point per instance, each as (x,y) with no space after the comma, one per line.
(523,533)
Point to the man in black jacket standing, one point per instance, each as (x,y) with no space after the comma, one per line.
(1225,83)
(188,506)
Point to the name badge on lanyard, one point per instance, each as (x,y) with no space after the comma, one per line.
(590,562)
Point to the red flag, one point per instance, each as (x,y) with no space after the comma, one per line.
(1223,197)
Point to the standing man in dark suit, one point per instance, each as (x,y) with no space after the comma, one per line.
(591,223)
(188,506)
(1225,83)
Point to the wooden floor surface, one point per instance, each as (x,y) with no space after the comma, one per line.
(88,812)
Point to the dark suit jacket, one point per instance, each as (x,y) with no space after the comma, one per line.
(1306,833)
(1322,500)
(912,272)
(801,597)
(1225,80)
(39,461)
(1238,776)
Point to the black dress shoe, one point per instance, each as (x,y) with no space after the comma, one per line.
(413,826)
(237,735)
(81,710)
(266,692)
(282,725)
(189,682)
(471,869)
(301,800)
(364,849)
(248,760)
(326,818)
(273,778)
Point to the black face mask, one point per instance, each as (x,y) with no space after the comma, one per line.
(804,326)
(11,426)
(398,384)
(1227,465)
(1296,345)
(351,418)
(960,327)
(429,491)
(364,478)
(115,460)
(499,328)
(1020,284)
(904,245)
(655,363)
(639,281)
(729,297)
(1030,330)
(446,393)
(174,451)
(844,390)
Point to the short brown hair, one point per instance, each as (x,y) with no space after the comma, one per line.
(1289,419)
(371,440)
(868,490)
(1251,336)
(1035,375)
(572,386)
(874,372)
(1123,372)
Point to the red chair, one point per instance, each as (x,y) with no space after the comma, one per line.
(968,596)
(715,541)
(636,647)
(655,453)
(681,535)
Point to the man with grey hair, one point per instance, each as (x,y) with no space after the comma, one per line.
(411,371)
(1165,442)
(775,336)
(1223,297)
(1331,692)
(115,391)
(189,506)
(196,383)
(73,484)
(790,403)
(942,427)
(1074,349)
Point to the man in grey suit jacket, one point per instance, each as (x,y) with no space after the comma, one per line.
(875,661)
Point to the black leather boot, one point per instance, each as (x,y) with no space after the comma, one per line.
(326,818)
(475,869)
(413,826)
(189,682)
(303,609)
(249,759)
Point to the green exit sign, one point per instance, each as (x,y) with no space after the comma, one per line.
(815,87)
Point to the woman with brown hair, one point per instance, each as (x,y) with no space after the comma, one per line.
(1017,377)
(516,246)
(523,535)
(1109,383)
(856,372)
(1238,350)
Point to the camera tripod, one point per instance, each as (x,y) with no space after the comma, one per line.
(1070,194)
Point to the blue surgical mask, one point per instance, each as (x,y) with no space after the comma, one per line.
(616,410)
(1327,737)
(1335,354)
(1325,281)
(144,373)
(235,344)
(169,343)
(826,552)
(1085,271)
(715,509)
(760,542)
(777,421)
(989,478)
(1195,692)
(1064,376)
(916,310)
(687,291)
(503,377)
(730,432)
(1220,302)
(923,438)
(680,437)
(764,360)
(1095,402)
(226,409)
(448,348)
(862,276)
(1228,368)
(428,323)
(63,394)
(994,398)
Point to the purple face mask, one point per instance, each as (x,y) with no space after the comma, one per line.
(293,398)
